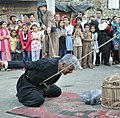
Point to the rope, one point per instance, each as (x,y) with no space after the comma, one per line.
(79,59)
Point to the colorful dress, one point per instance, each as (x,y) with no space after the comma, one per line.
(5,44)
(36,46)
(13,45)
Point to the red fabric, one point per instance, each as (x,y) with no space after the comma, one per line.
(2,41)
(73,22)
(109,29)
(27,43)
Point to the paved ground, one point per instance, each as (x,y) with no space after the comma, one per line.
(77,82)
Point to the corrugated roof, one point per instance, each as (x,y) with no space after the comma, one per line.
(73,6)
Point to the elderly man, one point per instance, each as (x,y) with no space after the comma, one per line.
(34,84)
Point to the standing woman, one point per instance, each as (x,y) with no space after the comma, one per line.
(62,38)
(5,42)
(25,39)
(69,31)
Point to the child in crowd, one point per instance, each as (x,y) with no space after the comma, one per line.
(13,43)
(9,27)
(62,38)
(5,42)
(69,31)
(87,47)
(95,43)
(25,39)
(78,20)
(77,37)
(36,42)
(19,26)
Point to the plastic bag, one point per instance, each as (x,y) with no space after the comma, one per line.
(91,97)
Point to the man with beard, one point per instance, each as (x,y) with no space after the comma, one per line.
(13,21)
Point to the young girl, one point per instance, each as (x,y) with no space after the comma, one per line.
(36,43)
(62,38)
(95,43)
(5,42)
(19,26)
(13,43)
(77,37)
(69,31)
(25,38)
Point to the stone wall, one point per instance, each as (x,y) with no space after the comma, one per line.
(103,4)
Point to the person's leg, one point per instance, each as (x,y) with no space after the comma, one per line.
(28,94)
(64,52)
(32,98)
(24,56)
(37,54)
(75,51)
(28,56)
(0,55)
(33,55)
(53,91)
(60,53)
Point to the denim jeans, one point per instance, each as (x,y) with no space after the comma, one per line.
(62,53)
(26,56)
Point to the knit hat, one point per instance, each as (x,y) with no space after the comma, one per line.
(42,3)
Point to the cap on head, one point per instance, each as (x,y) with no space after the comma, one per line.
(42,3)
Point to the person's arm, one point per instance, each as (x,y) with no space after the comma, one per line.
(28,65)
(20,64)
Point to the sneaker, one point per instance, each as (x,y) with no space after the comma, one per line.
(80,68)
(118,65)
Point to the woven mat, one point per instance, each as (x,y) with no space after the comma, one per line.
(68,105)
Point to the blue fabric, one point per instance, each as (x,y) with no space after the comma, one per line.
(0,56)
(69,43)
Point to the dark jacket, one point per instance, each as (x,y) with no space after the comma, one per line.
(38,71)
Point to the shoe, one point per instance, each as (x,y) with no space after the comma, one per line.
(116,62)
(118,65)
(84,67)
(80,68)
(91,67)
(1,64)
(113,63)
(97,64)
(107,64)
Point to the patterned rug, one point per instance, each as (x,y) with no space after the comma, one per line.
(68,105)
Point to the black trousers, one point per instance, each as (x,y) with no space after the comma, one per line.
(105,50)
(34,96)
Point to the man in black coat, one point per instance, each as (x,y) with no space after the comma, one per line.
(33,85)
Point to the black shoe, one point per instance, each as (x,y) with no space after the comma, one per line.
(107,64)
(97,64)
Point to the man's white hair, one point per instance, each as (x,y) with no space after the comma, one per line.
(70,59)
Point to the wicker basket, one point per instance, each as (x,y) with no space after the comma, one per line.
(111,92)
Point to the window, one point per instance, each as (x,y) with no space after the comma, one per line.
(113,4)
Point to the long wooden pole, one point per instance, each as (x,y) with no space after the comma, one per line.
(79,59)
